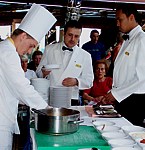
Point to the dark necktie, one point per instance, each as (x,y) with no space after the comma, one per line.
(66,48)
(125,37)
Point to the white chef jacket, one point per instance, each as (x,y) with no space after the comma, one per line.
(79,66)
(14,87)
(129,69)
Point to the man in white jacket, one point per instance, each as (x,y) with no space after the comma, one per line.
(129,70)
(75,63)
(14,86)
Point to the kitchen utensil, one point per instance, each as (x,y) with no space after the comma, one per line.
(57,121)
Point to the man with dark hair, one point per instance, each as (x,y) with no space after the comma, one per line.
(36,58)
(129,68)
(95,47)
(75,63)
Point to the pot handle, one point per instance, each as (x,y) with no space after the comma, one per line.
(76,122)
(38,112)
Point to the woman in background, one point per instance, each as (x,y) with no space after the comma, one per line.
(101,84)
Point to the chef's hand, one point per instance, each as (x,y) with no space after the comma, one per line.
(70,82)
(108,99)
(45,72)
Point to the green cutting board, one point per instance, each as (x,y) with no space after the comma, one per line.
(85,137)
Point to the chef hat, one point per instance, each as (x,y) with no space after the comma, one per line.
(37,22)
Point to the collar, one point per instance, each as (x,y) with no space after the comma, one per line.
(63,44)
(11,40)
(134,31)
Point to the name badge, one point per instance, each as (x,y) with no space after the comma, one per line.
(126,53)
(78,65)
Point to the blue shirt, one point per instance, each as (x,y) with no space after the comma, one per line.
(97,50)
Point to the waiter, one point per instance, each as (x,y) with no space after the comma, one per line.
(129,72)
(14,86)
(75,63)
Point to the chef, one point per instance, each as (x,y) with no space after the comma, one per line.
(129,72)
(14,86)
(75,64)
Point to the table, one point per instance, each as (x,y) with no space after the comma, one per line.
(86,124)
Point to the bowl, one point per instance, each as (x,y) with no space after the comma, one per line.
(98,123)
(125,148)
(136,135)
(114,135)
(141,142)
(107,128)
(52,66)
(121,142)
(131,128)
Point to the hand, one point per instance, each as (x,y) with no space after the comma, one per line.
(69,82)
(45,72)
(98,99)
(108,99)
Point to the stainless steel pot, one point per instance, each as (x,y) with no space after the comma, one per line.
(57,120)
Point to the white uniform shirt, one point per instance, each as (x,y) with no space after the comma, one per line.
(29,74)
(79,65)
(129,69)
(14,87)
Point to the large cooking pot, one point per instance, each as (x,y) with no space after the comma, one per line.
(57,120)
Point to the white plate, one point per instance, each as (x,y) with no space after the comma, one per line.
(107,128)
(45,69)
(114,135)
(52,66)
(98,123)
(122,142)
(130,128)
(125,148)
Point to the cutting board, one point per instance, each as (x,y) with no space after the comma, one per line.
(85,137)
